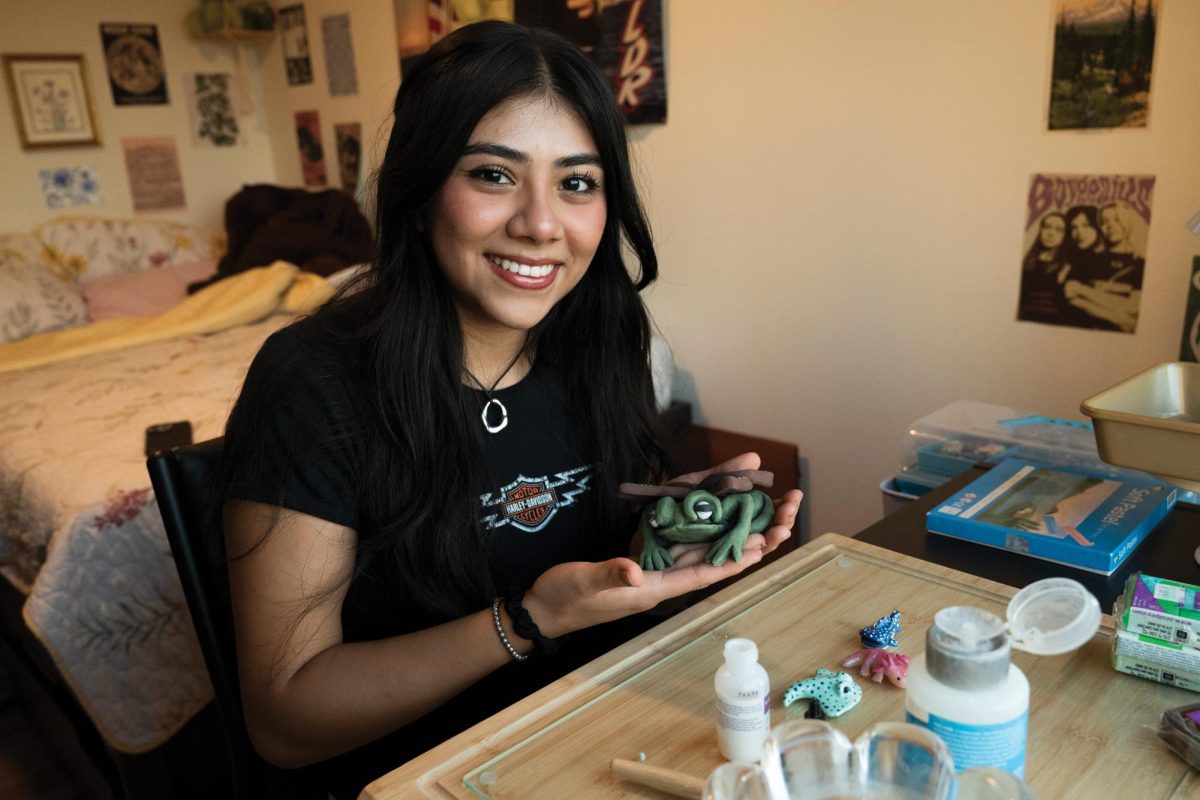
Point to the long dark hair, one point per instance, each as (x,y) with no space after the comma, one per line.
(426,470)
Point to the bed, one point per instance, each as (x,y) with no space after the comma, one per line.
(81,541)
(84,369)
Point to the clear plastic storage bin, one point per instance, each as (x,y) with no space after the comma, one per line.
(954,438)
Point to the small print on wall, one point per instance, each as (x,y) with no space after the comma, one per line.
(1084,252)
(625,39)
(312,155)
(349,154)
(1102,65)
(294,34)
(66,187)
(339,55)
(1189,348)
(135,64)
(155,181)
(211,109)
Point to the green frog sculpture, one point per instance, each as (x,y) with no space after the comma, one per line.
(724,508)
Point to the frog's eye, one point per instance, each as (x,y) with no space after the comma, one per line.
(703,510)
(845,690)
(653,520)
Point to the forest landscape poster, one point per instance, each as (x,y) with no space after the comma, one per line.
(1103,63)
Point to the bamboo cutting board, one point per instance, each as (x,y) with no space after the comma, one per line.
(1091,729)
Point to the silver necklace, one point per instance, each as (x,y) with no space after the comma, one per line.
(492,400)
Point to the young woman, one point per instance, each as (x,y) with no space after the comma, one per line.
(421,479)
(1043,272)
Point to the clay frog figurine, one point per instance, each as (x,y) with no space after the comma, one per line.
(724,508)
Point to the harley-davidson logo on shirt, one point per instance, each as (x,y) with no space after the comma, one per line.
(529,503)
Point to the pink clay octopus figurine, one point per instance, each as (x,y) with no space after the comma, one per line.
(880,664)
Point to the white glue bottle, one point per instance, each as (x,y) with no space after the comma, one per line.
(966,690)
(743,702)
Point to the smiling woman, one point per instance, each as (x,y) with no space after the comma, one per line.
(420,481)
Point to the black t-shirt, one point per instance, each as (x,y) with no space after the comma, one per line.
(296,439)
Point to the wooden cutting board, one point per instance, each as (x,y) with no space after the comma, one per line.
(1091,729)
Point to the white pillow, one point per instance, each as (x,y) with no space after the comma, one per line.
(84,248)
(33,299)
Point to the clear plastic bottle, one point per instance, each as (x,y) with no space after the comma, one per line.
(966,690)
(743,702)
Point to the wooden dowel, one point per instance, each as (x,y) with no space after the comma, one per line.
(679,784)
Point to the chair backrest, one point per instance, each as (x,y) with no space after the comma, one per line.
(185,485)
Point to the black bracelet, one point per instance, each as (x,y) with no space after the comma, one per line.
(525,627)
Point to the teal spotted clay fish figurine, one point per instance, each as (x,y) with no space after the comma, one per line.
(834,692)
(882,632)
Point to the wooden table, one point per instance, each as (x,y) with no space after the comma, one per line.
(1091,729)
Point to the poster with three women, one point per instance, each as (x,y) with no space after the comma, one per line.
(1085,250)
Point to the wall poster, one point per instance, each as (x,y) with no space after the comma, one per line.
(293,32)
(1102,64)
(155,181)
(211,110)
(623,37)
(134,62)
(339,55)
(1085,246)
(349,154)
(1189,348)
(312,155)
(66,187)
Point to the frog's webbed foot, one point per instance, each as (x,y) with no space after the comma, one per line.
(729,545)
(655,556)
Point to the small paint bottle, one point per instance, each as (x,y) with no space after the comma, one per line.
(743,702)
(966,689)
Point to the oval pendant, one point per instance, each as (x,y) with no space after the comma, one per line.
(490,428)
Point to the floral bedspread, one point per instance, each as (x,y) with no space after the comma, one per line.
(80,532)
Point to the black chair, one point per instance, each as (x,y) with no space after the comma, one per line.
(184,481)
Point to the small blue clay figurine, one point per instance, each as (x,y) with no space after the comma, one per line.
(882,633)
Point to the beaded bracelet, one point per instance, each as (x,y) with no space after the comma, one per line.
(526,628)
(512,651)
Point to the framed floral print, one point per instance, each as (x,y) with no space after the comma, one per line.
(51,100)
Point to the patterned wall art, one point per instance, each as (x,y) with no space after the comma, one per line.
(67,187)
(51,100)
(155,180)
(1084,251)
(1189,348)
(1103,62)
(339,55)
(625,39)
(349,154)
(294,33)
(211,108)
(134,61)
(312,154)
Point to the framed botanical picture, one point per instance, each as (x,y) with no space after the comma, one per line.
(51,101)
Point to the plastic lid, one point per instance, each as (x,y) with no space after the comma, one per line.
(741,651)
(1052,616)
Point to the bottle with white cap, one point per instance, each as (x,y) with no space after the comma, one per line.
(743,702)
(965,688)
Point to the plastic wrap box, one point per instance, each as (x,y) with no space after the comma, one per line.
(956,437)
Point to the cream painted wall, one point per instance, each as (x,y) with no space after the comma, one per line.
(838,199)
(373,33)
(210,174)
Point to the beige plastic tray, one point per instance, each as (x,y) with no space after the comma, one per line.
(1151,422)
